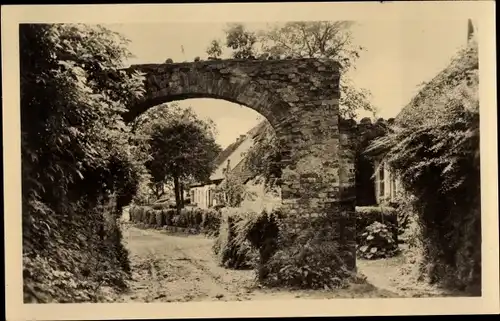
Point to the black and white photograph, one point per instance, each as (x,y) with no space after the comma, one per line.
(241,160)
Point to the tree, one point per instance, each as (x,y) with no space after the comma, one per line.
(214,50)
(307,39)
(181,148)
(241,41)
(315,39)
(321,39)
(312,39)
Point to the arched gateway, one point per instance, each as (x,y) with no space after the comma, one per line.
(299,97)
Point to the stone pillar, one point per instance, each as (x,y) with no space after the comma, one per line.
(347,177)
(318,172)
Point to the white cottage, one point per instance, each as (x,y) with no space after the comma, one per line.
(202,194)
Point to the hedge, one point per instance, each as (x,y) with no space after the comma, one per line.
(195,219)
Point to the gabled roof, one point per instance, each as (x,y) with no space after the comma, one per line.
(235,153)
(234,157)
(242,169)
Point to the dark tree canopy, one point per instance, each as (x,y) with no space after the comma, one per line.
(183,149)
(176,146)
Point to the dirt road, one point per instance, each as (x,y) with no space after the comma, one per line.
(181,268)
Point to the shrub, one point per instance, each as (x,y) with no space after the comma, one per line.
(76,155)
(406,215)
(160,218)
(246,238)
(169,216)
(211,222)
(233,250)
(141,214)
(313,265)
(151,217)
(367,215)
(92,256)
(377,241)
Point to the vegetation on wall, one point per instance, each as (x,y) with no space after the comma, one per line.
(435,150)
(75,159)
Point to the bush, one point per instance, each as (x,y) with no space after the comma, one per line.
(377,241)
(367,215)
(92,256)
(151,217)
(316,266)
(199,220)
(169,216)
(76,157)
(233,250)
(211,222)
(406,215)
(160,218)
(247,239)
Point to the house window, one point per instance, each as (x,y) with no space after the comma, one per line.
(393,187)
(381,181)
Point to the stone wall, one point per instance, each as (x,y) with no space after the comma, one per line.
(299,98)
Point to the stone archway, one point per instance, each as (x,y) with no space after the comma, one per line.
(299,97)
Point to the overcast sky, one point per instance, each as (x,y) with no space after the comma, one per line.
(399,56)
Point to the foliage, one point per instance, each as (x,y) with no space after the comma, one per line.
(368,215)
(246,239)
(314,39)
(231,191)
(241,41)
(437,158)
(405,214)
(323,39)
(197,220)
(304,255)
(314,266)
(377,241)
(214,50)
(234,250)
(307,39)
(162,206)
(264,156)
(75,155)
(180,146)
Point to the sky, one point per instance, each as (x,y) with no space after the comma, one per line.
(399,57)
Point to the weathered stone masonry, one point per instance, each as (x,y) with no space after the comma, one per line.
(299,98)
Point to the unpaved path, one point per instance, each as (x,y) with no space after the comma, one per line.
(176,268)
(181,268)
(386,274)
